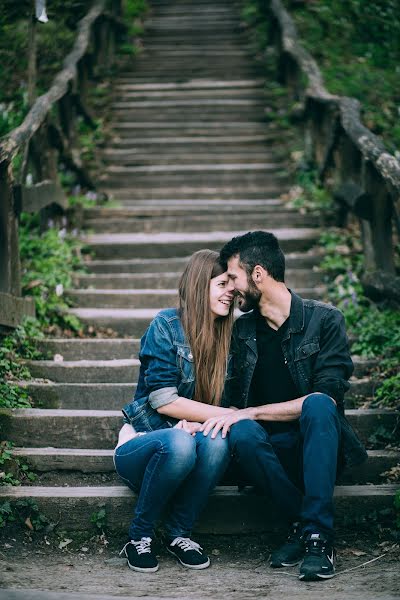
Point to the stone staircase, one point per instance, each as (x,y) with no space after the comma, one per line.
(192,162)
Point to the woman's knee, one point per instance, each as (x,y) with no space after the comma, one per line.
(179,444)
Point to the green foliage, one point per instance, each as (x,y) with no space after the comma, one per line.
(376,328)
(48,260)
(13,470)
(21,344)
(90,138)
(308,195)
(397,508)
(99,520)
(357,46)
(23,512)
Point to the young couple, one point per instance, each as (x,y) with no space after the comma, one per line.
(269,394)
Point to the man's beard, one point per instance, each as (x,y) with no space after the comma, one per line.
(249,299)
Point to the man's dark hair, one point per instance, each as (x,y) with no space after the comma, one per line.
(256,248)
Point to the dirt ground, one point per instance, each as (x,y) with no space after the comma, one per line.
(239,570)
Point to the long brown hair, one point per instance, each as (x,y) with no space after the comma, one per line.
(209,338)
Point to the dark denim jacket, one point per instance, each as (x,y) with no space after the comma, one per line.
(316,351)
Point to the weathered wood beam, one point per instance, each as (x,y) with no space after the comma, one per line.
(35,197)
(36,116)
(13,310)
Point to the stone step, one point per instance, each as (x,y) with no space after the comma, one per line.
(192,170)
(128,196)
(148,298)
(112,396)
(99,428)
(295,278)
(90,348)
(197,223)
(125,94)
(187,207)
(128,84)
(137,157)
(155,245)
(76,349)
(227,511)
(157,182)
(92,461)
(294,260)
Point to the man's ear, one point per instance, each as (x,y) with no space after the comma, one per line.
(258,274)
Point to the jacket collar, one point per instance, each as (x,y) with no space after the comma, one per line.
(247,322)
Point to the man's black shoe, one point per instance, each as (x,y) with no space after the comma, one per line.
(189,553)
(319,559)
(140,555)
(292,551)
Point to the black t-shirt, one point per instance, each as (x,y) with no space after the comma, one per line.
(272,381)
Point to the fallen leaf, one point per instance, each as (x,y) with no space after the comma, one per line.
(28,523)
(64,543)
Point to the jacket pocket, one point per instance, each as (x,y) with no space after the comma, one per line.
(304,359)
(184,358)
(307,349)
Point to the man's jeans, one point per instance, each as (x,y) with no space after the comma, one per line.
(296,469)
(170,465)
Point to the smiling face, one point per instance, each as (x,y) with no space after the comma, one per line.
(248,294)
(221,295)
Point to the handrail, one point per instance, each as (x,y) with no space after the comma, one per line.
(12,142)
(47,135)
(366,176)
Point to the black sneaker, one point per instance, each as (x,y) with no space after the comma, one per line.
(292,551)
(189,553)
(140,555)
(319,559)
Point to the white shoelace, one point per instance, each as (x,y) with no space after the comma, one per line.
(186,544)
(142,546)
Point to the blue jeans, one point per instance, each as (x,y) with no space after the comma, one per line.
(170,466)
(297,469)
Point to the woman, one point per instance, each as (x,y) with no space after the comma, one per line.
(161,454)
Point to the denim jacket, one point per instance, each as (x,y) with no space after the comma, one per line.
(166,372)
(316,351)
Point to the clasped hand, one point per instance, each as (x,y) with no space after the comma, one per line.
(191,427)
(224,422)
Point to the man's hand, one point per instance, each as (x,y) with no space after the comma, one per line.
(191,427)
(225,422)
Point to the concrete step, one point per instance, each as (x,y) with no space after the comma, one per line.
(218,222)
(112,396)
(187,207)
(149,298)
(86,371)
(294,260)
(89,349)
(111,349)
(295,278)
(164,157)
(127,196)
(128,84)
(156,182)
(125,94)
(227,511)
(64,460)
(166,245)
(99,428)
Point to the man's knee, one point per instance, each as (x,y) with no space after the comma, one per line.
(246,434)
(318,407)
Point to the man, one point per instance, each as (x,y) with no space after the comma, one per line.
(291,366)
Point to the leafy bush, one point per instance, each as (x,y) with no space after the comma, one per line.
(48,260)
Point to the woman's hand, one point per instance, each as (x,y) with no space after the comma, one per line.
(191,427)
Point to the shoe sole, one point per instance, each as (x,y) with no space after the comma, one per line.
(315,577)
(196,567)
(142,570)
(282,564)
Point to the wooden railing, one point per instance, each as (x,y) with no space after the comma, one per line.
(366,178)
(48,134)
